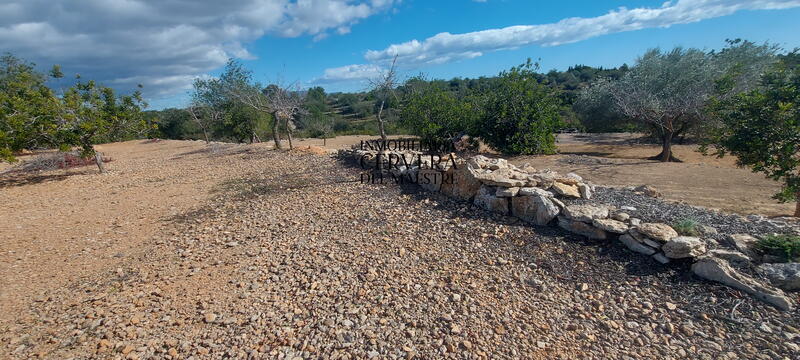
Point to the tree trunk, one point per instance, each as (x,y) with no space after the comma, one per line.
(380,122)
(289,130)
(205,134)
(666,149)
(797,206)
(275,136)
(98,159)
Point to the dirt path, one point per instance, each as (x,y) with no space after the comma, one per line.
(61,225)
(293,259)
(617,160)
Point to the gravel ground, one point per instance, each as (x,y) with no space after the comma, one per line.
(657,210)
(303,262)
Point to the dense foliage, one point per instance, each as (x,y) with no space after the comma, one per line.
(762,129)
(434,114)
(33,116)
(521,115)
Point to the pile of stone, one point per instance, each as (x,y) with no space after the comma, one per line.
(537,197)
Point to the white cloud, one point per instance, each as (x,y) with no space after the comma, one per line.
(350,73)
(446,47)
(163,44)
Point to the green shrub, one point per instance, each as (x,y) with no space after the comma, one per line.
(521,114)
(686,227)
(785,246)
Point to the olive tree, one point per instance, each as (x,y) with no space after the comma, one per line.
(668,91)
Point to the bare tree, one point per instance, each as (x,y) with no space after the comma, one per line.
(286,103)
(383,86)
(205,116)
(282,102)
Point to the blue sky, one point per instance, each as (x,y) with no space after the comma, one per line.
(339,43)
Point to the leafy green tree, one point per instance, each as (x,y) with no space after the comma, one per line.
(27,108)
(762,129)
(89,114)
(521,114)
(435,114)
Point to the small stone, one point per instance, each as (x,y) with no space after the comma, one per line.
(661,258)
(621,216)
(670,306)
(583,287)
(210,318)
(635,245)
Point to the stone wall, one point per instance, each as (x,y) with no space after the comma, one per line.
(542,197)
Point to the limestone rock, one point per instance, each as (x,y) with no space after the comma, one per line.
(635,245)
(718,270)
(585,213)
(539,210)
(744,243)
(585,190)
(662,258)
(683,247)
(621,216)
(735,258)
(430,179)
(657,231)
(642,238)
(504,177)
(582,228)
(464,184)
(507,192)
(783,275)
(648,190)
(558,203)
(531,191)
(614,226)
(566,190)
(486,199)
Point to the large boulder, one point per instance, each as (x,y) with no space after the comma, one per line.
(684,247)
(635,245)
(657,231)
(430,179)
(535,191)
(783,275)
(539,210)
(486,199)
(585,213)
(464,184)
(582,228)
(566,190)
(714,269)
(504,177)
(610,225)
(507,192)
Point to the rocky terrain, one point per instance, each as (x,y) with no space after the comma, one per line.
(292,258)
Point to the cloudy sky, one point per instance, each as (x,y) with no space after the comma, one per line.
(164,44)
